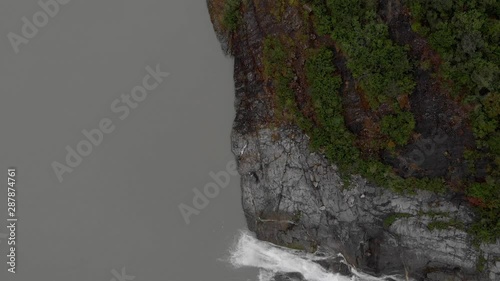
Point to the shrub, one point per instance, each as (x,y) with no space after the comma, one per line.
(380,66)
(232,15)
(445,225)
(331,133)
(398,127)
(394,217)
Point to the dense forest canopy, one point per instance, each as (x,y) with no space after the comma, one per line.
(393,56)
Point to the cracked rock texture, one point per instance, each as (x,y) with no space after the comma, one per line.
(295,198)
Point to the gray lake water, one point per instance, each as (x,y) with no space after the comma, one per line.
(119,207)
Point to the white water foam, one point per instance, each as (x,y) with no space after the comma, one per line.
(271,259)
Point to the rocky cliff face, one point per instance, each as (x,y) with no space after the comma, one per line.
(297,198)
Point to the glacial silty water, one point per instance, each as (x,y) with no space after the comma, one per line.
(117,211)
(271,259)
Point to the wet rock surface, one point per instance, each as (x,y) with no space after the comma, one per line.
(294,276)
(296,198)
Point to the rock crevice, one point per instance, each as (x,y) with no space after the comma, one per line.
(296,198)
